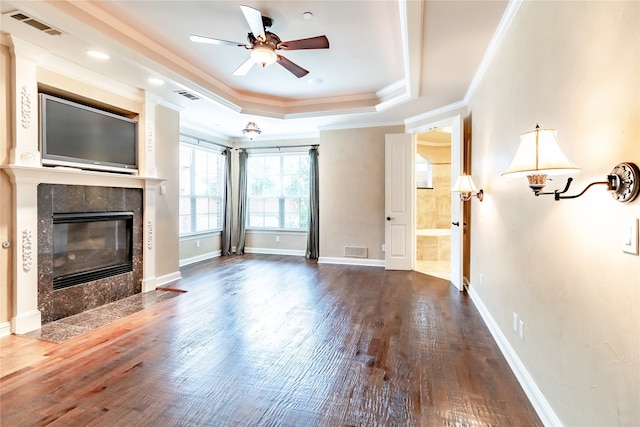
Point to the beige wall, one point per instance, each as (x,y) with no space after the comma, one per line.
(277,242)
(6,217)
(167,123)
(575,67)
(351,169)
(199,247)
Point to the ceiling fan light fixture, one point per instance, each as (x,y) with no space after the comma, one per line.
(263,55)
(251,130)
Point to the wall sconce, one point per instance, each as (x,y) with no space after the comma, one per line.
(539,156)
(251,130)
(465,186)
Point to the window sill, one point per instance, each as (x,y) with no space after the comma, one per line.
(200,235)
(276,231)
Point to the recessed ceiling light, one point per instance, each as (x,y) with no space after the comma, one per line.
(97,54)
(155,81)
(307,15)
(315,81)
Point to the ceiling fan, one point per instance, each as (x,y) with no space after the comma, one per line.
(263,44)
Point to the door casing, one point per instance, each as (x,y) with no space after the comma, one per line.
(457,214)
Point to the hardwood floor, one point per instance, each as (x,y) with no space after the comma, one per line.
(273,341)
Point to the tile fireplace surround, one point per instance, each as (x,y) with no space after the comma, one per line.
(55,198)
(101,191)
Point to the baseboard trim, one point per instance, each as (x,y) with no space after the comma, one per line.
(203,257)
(5,329)
(537,399)
(352,261)
(271,251)
(168,278)
(26,322)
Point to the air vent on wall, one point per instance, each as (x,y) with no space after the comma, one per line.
(188,95)
(35,24)
(355,252)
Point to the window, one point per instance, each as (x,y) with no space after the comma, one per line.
(201,189)
(278,191)
(424,172)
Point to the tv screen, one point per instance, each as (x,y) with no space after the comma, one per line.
(73,134)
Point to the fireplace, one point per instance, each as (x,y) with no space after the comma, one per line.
(89,246)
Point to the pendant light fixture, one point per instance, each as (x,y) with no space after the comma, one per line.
(251,130)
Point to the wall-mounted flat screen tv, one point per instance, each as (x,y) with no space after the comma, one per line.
(76,135)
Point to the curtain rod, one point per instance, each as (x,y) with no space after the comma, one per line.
(278,147)
(205,140)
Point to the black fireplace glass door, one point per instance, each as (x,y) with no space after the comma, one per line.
(89,246)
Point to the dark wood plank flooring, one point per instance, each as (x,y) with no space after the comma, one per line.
(274,341)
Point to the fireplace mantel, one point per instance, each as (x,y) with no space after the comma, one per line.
(73,176)
(25,181)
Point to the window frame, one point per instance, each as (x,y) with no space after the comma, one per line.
(281,198)
(195,147)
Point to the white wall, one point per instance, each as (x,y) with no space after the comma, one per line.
(575,67)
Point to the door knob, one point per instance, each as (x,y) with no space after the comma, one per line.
(457,224)
(389,218)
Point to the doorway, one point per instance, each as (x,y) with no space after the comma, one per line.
(433,202)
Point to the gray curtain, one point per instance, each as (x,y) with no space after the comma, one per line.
(313,246)
(242,199)
(226,196)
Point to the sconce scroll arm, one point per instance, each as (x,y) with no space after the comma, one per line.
(557,194)
(623,182)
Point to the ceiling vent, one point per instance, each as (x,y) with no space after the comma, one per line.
(188,95)
(35,24)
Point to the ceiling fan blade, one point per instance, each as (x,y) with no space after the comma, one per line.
(243,69)
(294,69)
(209,40)
(319,42)
(254,19)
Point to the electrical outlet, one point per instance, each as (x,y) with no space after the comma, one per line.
(383,247)
(515,322)
(521,330)
(481,282)
(277,238)
(197,243)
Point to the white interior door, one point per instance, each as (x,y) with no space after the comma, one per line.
(399,229)
(457,219)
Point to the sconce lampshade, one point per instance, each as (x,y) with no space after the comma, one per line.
(539,153)
(538,156)
(464,184)
(467,189)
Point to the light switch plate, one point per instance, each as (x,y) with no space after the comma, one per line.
(630,236)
